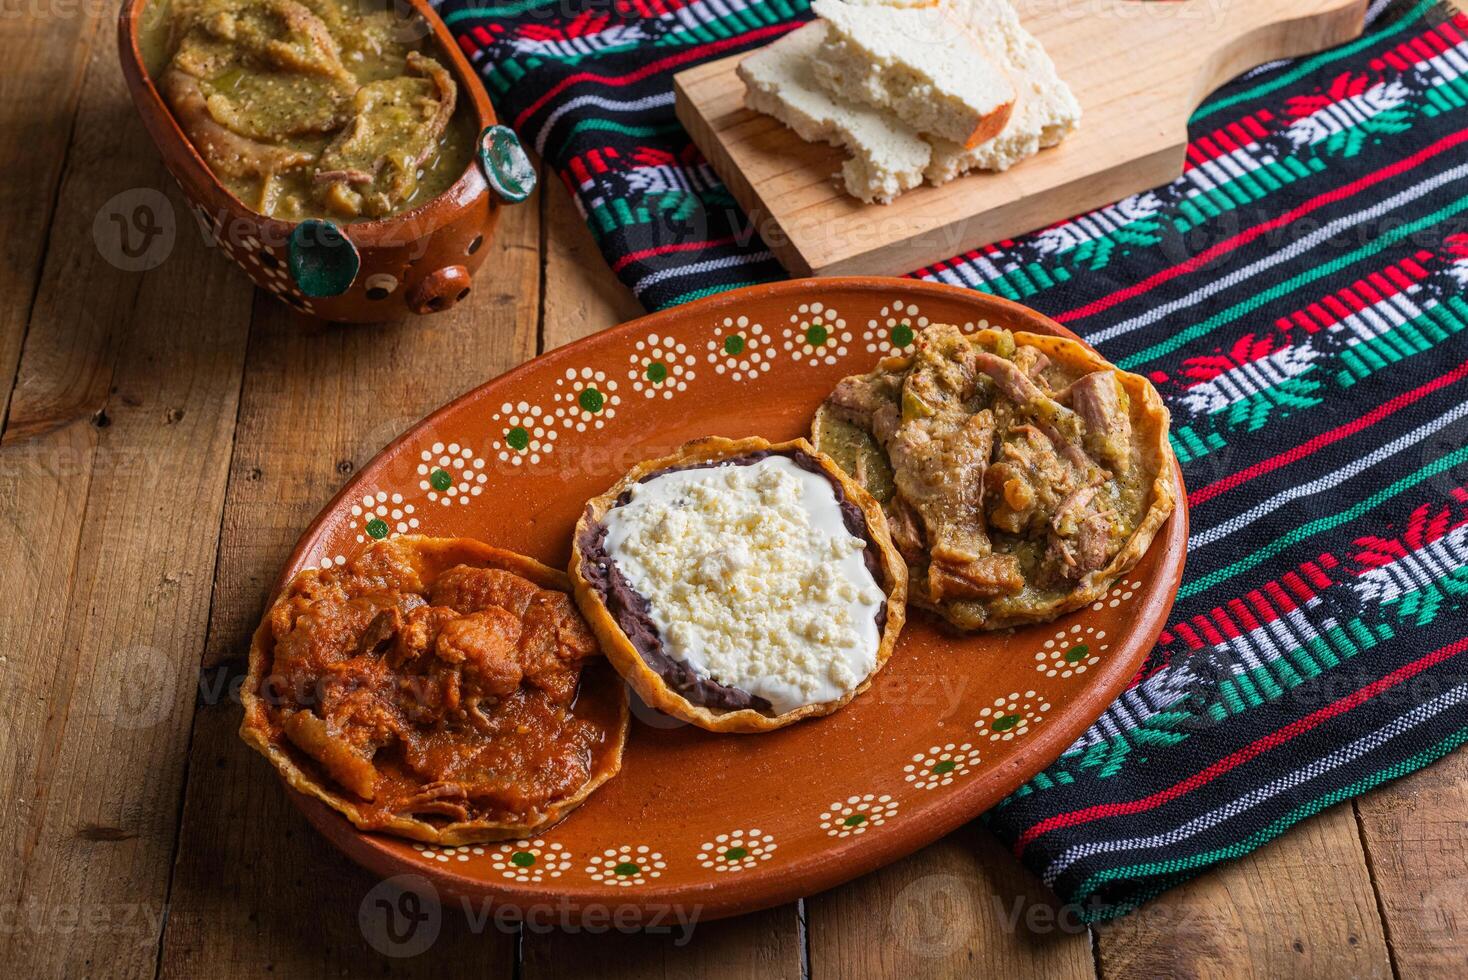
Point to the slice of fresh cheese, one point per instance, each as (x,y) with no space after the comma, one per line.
(919,63)
(887,157)
(1046,110)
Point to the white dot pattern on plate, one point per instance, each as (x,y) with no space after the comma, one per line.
(858,814)
(660,366)
(816,334)
(1012,716)
(450,474)
(528,861)
(1118,593)
(893,329)
(625,866)
(381,514)
(738,850)
(1073,650)
(740,349)
(524,433)
(941,765)
(586,399)
(445,855)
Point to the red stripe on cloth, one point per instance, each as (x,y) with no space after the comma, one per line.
(1326,438)
(1234,760)
(1275,597)
(653,67)
(1414,52)
(1243,238)
(1226,139)
(1190,637)
(1220,624)
(622,263)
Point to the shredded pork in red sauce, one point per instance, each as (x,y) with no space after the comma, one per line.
(1008,473)
(451,698)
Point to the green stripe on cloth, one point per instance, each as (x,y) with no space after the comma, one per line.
(1273,293)
(500,10)
(1171,873)
(612,126)
(1314,527)
(692,295)
(1310,64)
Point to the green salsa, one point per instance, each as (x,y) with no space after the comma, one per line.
(332,109)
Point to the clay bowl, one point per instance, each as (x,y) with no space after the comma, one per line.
(419,261)
(724,824)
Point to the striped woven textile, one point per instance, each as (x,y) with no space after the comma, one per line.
(1298,296)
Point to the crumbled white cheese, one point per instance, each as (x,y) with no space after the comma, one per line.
(752,578)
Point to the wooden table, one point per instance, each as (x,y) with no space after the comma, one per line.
(167,435)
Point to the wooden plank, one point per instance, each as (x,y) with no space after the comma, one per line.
(112,475)
(1138,70)
(255,888)
(764,944)
(961,908)
(45,57)
(581,294)
(582,297)
(1416,837)
(1302,906)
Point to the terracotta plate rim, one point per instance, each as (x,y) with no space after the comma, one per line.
(841,861)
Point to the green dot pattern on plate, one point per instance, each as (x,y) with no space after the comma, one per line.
(591,400)
(816,335)
(1077,653)
(377,528)
(733,345)
(1005,722)
(735,853)
(522,859)
(440,480)
(901,334)
(517,438)
(941,768)
(626,868)
(657,372)
(855,820)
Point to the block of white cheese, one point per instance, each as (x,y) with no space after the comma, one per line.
(887,157)
(919,63)
(1045,112)
(890,153)
(753,578)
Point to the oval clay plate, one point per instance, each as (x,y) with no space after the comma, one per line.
(723,824)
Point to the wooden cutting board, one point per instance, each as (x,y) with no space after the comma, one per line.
(1138,68)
